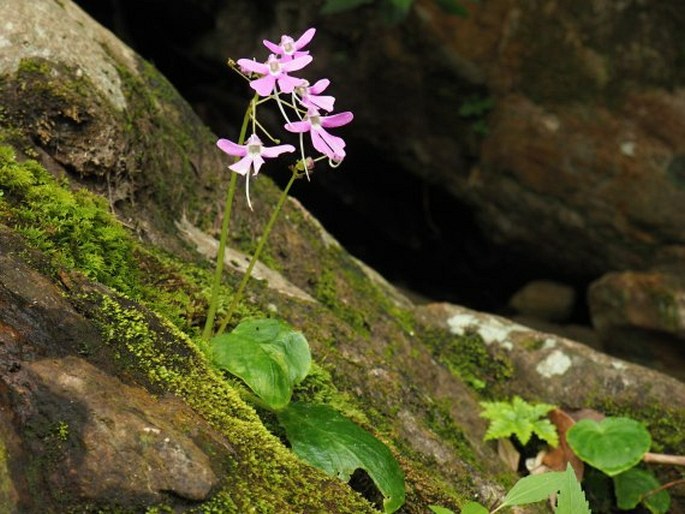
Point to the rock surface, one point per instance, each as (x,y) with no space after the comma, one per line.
(85,369)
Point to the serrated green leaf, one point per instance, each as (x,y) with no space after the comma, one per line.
(268,355)
(519,418)
(338,6)
(534,488)
(329,441)
(474,508)
(631,485)
(613,445)
(571,498)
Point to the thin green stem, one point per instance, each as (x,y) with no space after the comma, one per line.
(221,252)
(258,251)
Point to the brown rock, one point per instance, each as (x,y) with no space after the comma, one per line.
(544,300)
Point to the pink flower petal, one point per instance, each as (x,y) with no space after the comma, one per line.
(286,83)
(273,47)
(231,148)
(305,38)
(298,126)
(319,86)
(253,66)
(242,167)
(324,102)
(264,86)
(275,151)
(336,120)
(331,146)
(297,63)
(257,162)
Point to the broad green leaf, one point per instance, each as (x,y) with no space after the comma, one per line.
(337,6)
(474,508)
(327,440)
(613,445)
(442,510)
(268,355)
(571,498)
(519,418)
(534,488)
(631,485)
(452,7)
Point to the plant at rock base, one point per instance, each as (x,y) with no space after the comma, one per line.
(266,354)
(614,446)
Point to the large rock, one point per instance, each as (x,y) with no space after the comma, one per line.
(583,108)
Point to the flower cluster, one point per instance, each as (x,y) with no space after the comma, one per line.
(272,79)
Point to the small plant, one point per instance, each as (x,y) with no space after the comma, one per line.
(521,419)
(272,358)
(614,446)
(475,109)
(267,354)
(535,488)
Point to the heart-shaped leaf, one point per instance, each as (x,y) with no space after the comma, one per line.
(632,485)
(268,355)
(329,441)
(613,445)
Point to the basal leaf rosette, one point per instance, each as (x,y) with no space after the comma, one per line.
(268,355)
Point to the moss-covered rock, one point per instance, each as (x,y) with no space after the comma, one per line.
(123,291)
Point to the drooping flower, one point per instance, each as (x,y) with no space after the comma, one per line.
(310,97)
(273,71)
(252,154)
(288,48)
(331,146)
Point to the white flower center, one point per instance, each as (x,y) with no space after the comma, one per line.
(274,67)
(287,44)
(254,149)
(315,120)
(301,90)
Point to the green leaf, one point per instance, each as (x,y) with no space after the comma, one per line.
(325,439)
(473,508)
(268,355)
(338,6)
(519,418)
(452,7)
(630,487)
(571,499)
(534,488)
(613,445)
(395,10)
(442,510)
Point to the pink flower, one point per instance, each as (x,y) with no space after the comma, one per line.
(288,48)
(252,154)
(273,71)
(310,98)
(331,146)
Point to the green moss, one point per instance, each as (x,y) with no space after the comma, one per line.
(327,292)
(264,476)
(74,227)
(440,421)
(469,358)
(666,426)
